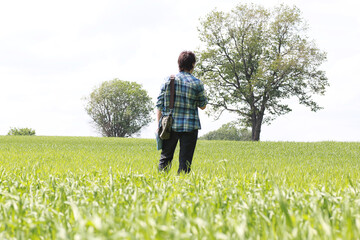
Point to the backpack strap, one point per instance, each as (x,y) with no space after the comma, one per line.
(172,92)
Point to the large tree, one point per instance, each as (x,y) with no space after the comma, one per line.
(253,58)
(119,108)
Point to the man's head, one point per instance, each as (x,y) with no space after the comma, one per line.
(186,61)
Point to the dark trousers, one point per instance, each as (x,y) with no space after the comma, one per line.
(187,147)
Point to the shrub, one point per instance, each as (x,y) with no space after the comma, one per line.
(21,132)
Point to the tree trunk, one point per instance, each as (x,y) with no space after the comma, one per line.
(256,127)
(256,132)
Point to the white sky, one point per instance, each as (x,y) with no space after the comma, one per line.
(53,53)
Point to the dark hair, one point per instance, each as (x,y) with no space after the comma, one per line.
(186,60)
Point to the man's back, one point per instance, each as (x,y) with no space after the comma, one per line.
(189,95)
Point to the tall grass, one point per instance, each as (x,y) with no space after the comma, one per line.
(108,188)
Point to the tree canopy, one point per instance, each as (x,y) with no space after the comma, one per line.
(253,58)
(119,108)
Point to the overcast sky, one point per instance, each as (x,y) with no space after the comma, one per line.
(54,53)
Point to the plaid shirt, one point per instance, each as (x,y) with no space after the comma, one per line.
(189,95)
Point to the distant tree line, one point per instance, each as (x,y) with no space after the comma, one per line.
(228,131)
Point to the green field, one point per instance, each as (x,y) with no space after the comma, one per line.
(109,188)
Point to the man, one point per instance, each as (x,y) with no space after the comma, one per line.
(189,96)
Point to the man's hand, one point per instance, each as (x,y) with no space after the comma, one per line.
(158,115)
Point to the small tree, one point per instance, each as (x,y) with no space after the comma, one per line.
(21,132)
(228,131)
(119,108)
